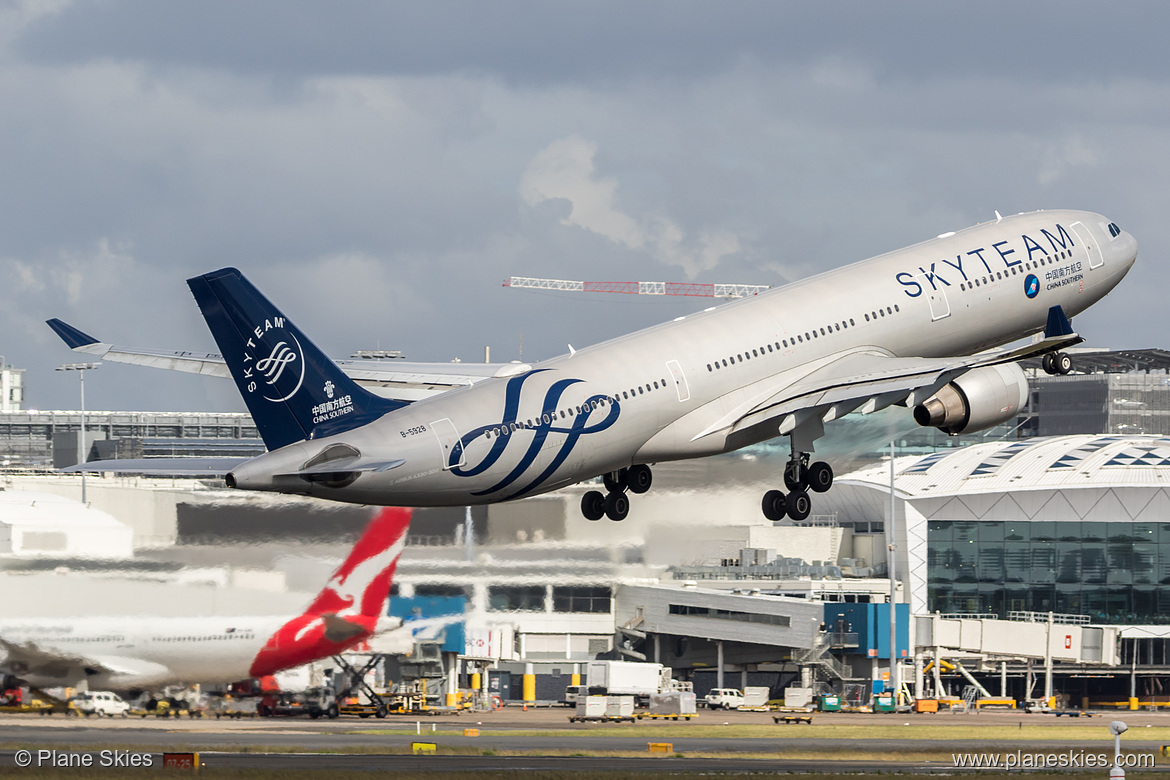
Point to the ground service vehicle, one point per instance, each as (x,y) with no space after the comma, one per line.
(313,702)
(626,678)
(574,694)
(724,698)
(101,703)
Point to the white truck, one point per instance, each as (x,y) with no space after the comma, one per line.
(629,678)
(624,678)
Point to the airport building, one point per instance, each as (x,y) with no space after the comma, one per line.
(35,439)
(11,388)
(1035,563)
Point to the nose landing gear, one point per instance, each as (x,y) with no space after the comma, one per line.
(614,503)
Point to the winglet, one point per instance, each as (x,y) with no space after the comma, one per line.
(72,337)
(1058,324)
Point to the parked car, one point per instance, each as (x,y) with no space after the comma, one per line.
(574,693)
(723,698)
(100,703)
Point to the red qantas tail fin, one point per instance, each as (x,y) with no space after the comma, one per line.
(361,585)
(347,609)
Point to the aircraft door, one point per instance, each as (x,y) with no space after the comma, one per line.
(940,307)
(448,437)
(1092,249)
(680,380)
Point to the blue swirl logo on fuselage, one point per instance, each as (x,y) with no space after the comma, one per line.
(1031,286)
(577,426)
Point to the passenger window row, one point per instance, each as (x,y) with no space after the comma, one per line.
(245,635)
(799,338)
(1015,269)
(573,411)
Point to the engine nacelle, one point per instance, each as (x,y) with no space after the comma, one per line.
(979,399)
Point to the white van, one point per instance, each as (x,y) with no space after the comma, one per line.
(100,703)
(724,698)
(573,694)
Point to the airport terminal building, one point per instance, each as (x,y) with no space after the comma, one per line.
(1067,516)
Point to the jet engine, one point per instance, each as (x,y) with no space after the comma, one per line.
(977,400)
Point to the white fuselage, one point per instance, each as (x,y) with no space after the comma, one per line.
(662,389)
(123,653)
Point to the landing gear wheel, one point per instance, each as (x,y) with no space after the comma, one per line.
(774,505)
(799,505)
(1046,363)
(795,476)
(615,481)
(820,476)
(593,505)
(1062,363)
(639,478)
(617,506)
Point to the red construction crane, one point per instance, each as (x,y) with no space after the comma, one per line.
(640,288)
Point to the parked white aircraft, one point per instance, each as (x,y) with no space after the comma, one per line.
(924,327)
(145,652)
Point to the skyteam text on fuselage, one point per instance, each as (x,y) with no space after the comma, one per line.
(924,327)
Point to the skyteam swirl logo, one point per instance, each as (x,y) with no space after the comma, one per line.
(1031,286)
(547,424)
(274,362)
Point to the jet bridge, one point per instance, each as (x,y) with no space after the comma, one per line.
(1044,636)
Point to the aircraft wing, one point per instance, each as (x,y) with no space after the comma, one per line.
(869,381)
(396,379)
(28,658)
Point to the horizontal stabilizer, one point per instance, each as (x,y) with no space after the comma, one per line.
(332,468)
(170,467)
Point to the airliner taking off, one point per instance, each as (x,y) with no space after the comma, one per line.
(144,652)
(926,327)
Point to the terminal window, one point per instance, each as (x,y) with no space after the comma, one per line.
(1112,572)
(729,614)
(516,598)
(582,599)
(441,590)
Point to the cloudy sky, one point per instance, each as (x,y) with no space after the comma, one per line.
(378,168)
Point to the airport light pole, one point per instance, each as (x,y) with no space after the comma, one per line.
(80,368)
(891,567)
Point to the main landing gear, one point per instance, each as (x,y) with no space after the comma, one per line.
(799,478)
(614,503)
(1056,363)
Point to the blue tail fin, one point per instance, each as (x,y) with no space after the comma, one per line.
(292,389)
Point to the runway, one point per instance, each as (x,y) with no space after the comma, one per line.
(545,740)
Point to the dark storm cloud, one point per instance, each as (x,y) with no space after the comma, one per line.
(543,43)
(378,169)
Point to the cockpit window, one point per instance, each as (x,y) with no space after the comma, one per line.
(1114,230)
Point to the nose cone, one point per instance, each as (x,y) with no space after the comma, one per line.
(1122,251)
